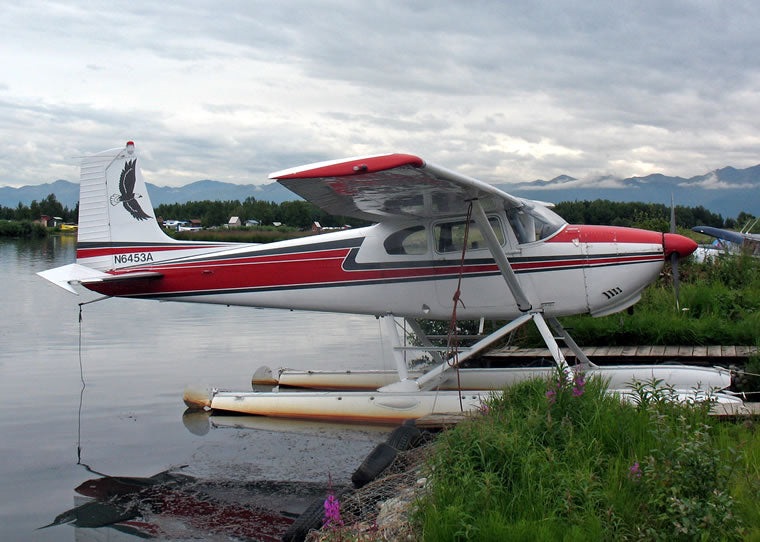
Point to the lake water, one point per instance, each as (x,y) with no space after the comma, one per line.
(137,357)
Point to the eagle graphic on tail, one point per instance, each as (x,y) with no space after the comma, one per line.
(127,196)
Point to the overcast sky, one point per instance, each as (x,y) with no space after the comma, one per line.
(502,91)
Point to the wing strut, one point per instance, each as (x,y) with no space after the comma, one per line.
(434,377)
(501,259)
(388,323)
(586,363)
(417,329)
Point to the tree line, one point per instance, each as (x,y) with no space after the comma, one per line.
(302,214)
(49,206)
(298,214)
(651,216)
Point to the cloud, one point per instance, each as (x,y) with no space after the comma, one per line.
(604,181)
(713,182)
(498,91)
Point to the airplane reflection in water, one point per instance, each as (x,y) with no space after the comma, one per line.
(173,506)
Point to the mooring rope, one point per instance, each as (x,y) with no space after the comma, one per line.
(452,339)
(84,385)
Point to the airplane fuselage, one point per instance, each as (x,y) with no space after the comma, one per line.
(577,269)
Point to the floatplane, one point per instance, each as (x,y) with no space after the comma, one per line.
(442,244)
(732,242)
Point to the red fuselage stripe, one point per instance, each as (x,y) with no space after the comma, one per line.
(315,268)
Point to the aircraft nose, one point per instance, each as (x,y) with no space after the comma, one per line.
(673,242)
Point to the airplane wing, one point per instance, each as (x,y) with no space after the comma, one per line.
(391,186)
(720,233)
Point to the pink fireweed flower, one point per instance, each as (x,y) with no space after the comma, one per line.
(578,389)
(332,511)
(634,471)
(551,395)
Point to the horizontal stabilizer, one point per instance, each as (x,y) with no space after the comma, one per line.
(66,275)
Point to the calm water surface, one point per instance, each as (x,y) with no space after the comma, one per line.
(137,357)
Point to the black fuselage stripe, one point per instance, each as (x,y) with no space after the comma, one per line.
(350,263)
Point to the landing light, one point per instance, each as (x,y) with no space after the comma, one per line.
(130,147)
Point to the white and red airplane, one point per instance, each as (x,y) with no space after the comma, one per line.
(521,261)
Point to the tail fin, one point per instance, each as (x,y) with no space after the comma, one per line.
(118,230)
(114,209)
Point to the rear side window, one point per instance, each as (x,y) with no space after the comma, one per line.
(449,236)
(407,241)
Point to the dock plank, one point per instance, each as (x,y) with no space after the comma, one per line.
(629,351)
(714,351)
(643,351)
(671,351)
(536,352)
(685,351)
(700,351)
(658,351)
(728,351)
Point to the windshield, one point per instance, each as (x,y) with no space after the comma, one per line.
(533,224)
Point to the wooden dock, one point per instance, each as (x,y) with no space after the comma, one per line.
(723,411)
(635,354)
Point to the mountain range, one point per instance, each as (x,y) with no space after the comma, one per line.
(727,191)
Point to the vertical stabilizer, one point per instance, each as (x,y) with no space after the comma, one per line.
(114,207)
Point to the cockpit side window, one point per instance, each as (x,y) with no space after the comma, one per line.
(411,240)
(449,236)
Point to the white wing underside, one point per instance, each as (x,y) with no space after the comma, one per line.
(395,186)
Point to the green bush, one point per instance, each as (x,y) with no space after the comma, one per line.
(22,228)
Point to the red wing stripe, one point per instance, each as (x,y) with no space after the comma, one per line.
(352,167)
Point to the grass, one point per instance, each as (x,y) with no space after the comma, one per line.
(563,466)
